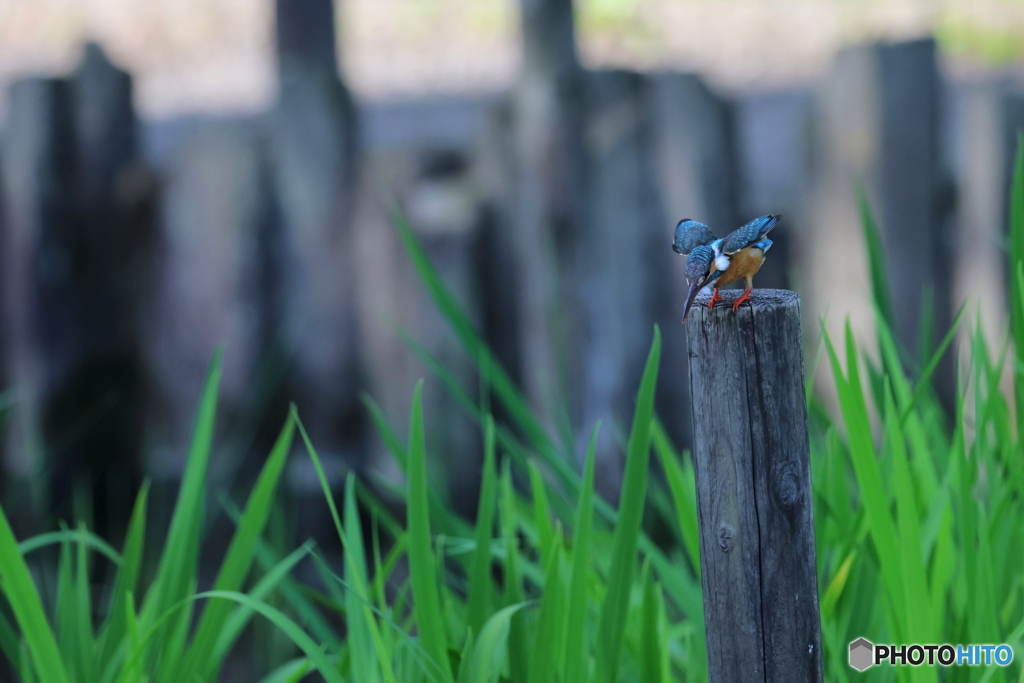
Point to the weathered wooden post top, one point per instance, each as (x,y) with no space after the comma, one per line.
(754,489)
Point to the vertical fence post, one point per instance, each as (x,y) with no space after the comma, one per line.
(753,477)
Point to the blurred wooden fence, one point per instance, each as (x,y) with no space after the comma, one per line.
(131,249)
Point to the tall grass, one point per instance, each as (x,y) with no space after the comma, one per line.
(919,526)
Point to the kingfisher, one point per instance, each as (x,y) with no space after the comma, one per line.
(721,262)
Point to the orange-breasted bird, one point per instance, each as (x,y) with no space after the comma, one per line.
(721,262)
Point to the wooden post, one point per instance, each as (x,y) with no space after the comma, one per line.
(217,280)
(550,196)
(436,194)
(314,158)
(623,267)
(80,211)
(754,490)
(985,117)
(878,119)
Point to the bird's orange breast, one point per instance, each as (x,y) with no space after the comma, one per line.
(743,263)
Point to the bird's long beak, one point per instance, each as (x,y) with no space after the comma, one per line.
(691,295)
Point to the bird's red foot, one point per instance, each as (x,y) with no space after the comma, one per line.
(714,298)
(744,297)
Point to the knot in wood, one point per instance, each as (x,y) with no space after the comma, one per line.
(726,533)
(787,485)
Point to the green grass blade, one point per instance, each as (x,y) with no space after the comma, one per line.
(427,602)
(651,640)
(575,661)
(131,670)
(178,561)
(504,388)
(240,617)
(683,485)
(28,674)
(356,597)
(66,608)
(541,511)
(868,474)
(387,434)
(53,537)
(309,647)
(518,642)
(444,520)
(172,647)
(321,476)
(127,577)
(481,585)
(297,597)
(1017,263)
(364,637)
(567,477)
(919,616)
(86,646)
(239,556)
(933,362)
(466,657)
(876,257)
(21,593)
(489,651)
(627,531)
(290,672)
(549,633)
(10,644)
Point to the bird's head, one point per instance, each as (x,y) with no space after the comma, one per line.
(700,270)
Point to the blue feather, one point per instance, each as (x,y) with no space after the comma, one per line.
(746,235)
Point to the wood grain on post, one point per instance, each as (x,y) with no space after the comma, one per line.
(754,490)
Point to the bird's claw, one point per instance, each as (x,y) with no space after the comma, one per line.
(743,297)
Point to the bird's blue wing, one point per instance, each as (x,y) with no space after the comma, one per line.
(748,235)
(691,234)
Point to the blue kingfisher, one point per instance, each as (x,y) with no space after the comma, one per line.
(719,262)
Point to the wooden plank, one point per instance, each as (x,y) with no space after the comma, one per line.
(216,282)
(754,490)
(878,122)
(78,265)
(697,155)
(304,33)
(434,189)
(27,175)
(915,199)
(984,124)
(624,269)
(315,166)
(5,327)
(550,200)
